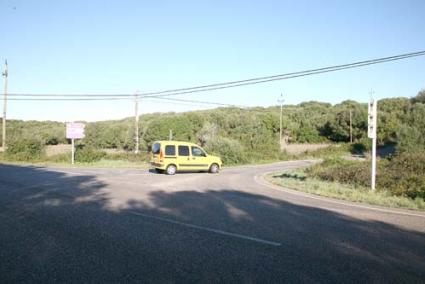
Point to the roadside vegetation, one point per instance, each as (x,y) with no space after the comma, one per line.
(400,176)
(239,135)
(249,136)
(302,181)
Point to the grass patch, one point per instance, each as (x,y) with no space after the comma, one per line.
(127,160)
(333,151)
(297,179)
(103,163)
(106,163)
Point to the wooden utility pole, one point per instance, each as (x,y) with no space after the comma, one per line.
(281,100)
(136,121)
(351,127)
(5,74)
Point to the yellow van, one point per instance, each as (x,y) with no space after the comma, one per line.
(173,156)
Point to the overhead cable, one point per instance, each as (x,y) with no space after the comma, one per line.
(233,84)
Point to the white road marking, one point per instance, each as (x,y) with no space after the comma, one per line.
(220,232)
(263,182)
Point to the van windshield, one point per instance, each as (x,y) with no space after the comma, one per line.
(156,148)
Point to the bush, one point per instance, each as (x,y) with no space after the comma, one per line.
(400,175)
(361,147)
(230,151)
(412,134)
(25,150)
(404,174)
(88,154)
(343,171)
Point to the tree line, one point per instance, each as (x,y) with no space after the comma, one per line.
(247,134)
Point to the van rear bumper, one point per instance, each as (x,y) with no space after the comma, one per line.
(158,165)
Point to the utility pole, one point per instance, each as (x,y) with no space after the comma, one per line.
(351,127)
(281,100)
(136,121)
(372,126)
(170,136)
(5,74)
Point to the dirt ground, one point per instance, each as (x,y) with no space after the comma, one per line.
(295,149)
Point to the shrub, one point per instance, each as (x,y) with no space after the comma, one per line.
(361,147)
(337,169)
(25,150)
(412,134)
(230,151)
(401,175)
(88,154)
(404,174)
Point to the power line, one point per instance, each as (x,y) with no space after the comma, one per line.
(72,95)
(70,99)
(285,76)
(252,81)
(186,102)
(203,105)
(195,101)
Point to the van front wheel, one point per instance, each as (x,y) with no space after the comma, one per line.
(214,168)
(171,170)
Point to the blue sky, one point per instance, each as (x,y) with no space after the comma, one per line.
(122,46)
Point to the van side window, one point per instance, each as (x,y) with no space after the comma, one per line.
(197,152)
(183,150)
(170,150)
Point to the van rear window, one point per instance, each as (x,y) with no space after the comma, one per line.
(156,147)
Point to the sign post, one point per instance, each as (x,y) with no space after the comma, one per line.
(371,133)
(72,151)
(74,130)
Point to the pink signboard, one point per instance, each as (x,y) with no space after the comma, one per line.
(75,130)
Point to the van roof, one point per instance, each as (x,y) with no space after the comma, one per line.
(174,142)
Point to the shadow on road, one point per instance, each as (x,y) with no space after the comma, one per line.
(56,227)
(291,175)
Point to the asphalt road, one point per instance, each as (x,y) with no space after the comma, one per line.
(114,225)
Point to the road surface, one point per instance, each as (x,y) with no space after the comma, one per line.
(129,225)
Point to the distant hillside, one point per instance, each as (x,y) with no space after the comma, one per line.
(253,130)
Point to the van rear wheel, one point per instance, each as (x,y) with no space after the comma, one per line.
(214,169)
(171,170)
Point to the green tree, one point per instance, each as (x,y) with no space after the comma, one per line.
(337,126)
(412,134)
(392,114)
(419,98)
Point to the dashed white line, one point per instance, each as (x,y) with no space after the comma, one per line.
(211,230)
